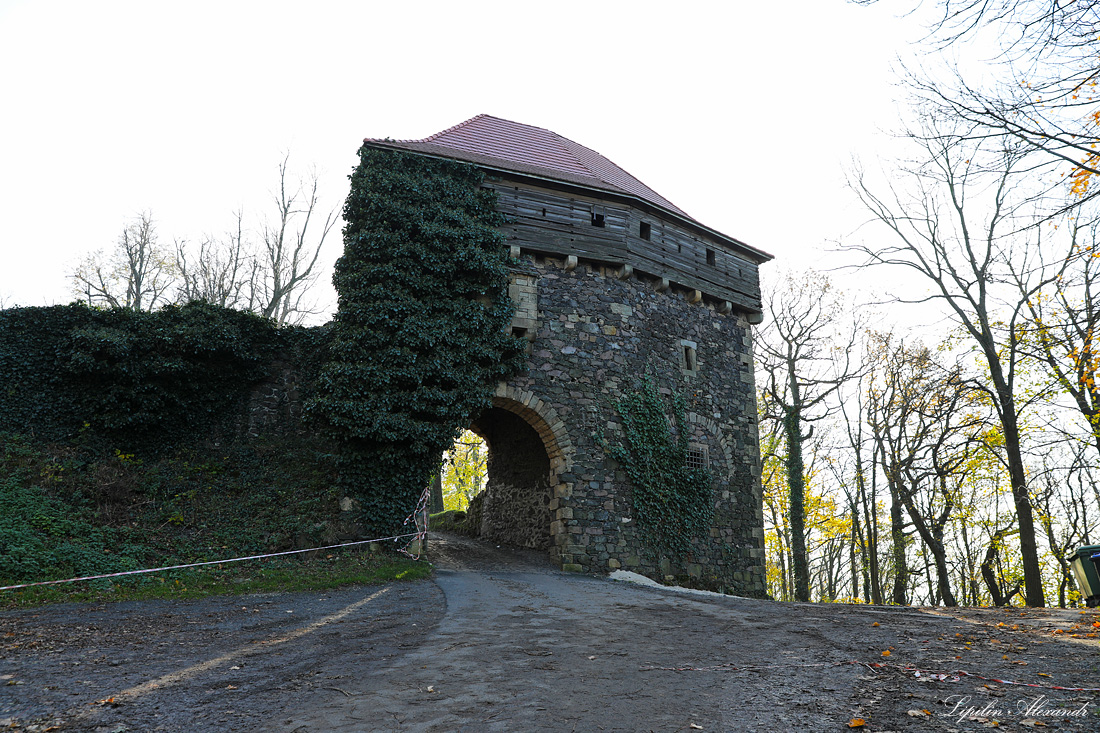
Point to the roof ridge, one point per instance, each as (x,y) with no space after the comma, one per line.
(430,138)
(532,148)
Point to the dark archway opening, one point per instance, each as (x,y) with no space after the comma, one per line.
(515,505)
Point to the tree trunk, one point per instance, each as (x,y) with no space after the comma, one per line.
(792,426)
(436,503)
(1029,551)
(897,536)
(857,546)
(897,531)
(935,546)
(870,516)
(999,599)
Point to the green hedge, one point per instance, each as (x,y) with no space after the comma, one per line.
(130,379)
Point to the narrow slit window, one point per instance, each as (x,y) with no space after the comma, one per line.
(710,257)
(597,219)
(690,360)
(644,230)
(689,357)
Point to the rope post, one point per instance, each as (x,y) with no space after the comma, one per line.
(424,539)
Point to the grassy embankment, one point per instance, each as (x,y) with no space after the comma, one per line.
(67,511)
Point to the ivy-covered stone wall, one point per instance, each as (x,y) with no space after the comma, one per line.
(143,381)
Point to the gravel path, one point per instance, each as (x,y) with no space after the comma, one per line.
(501,641)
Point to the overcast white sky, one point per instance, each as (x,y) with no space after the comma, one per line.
(744,114)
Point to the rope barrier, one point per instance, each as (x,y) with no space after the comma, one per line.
(419,518)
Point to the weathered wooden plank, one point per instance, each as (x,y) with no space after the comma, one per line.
(555,223)
(557,243)
(748,298)
(683,268)
(598,233)
(740,293)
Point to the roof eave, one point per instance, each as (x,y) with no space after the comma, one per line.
(757,256)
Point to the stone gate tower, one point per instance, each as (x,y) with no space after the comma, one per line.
(611,282)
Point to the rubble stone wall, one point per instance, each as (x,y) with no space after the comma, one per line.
(598,333)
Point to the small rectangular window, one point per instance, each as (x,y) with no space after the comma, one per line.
(697,458)
(710,257)
(690,360)
(643,230)
(597,219)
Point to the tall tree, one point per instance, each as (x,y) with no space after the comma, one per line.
(861,495)
(222,272)
(1042,93)
(1064,321)
(137,274)
(805,357)
(960,247)
(925,420)
(291,246)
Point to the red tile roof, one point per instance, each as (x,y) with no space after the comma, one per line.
(498,143)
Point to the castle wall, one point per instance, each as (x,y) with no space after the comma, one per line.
(597,334)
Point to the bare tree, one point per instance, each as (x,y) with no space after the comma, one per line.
(967,259)
(290,250)
(137,274)
(926,419)
(1064,323)
(805,358)
(273,278)
(1063,508)
(222,272)
(861,492)
(1045,96)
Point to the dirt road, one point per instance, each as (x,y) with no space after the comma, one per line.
(500,641)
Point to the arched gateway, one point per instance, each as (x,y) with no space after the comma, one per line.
(612,282)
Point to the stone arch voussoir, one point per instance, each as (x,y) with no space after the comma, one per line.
(559,448)
(546,422)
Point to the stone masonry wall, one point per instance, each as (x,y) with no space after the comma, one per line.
(595,331)
(599,330)
(274,404)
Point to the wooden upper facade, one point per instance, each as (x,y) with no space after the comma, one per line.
(563,199)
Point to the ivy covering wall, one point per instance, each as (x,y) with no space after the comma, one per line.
(133,380)
(672,502)
(421,335)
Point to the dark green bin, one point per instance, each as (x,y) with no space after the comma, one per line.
(1088,579)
